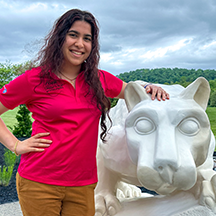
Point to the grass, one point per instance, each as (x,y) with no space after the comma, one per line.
(9,118)
(211,112)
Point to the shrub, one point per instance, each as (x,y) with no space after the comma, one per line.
(9,158)
(24,126)
(6,170)
(213,99)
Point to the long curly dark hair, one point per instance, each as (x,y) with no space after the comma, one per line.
(51,58)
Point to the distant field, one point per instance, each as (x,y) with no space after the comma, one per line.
(211,112)
(10,117)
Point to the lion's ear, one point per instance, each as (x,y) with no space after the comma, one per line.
(199,90)
(134,93)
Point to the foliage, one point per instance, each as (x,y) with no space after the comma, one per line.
(113,101)
(19,69)
(211,112)
(5,175)
(9,158)
(9,71)
(167,75)
(6,170)
(213,99)
(24,126)
(6,73)
(173,76)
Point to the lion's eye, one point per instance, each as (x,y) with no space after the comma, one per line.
(189,126)
(144,126)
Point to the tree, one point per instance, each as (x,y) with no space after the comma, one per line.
(19,69)
(24,126)
(9,71)
(113,101)
(6,73)
(213,99)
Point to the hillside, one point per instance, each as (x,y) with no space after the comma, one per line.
(167,75)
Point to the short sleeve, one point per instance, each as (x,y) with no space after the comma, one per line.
(16,92)
(111,84)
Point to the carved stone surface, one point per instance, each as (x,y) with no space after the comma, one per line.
(164,146)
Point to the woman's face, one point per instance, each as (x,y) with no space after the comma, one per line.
(78,44)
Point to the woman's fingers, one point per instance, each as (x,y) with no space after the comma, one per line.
(165,96)
(34,144)
(38,141)
(38,144)
(42,141)
(41,135)
(158,92)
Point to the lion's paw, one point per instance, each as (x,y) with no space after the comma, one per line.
(208,194)
(106,205)
(125,190)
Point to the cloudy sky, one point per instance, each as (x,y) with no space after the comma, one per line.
(134,34)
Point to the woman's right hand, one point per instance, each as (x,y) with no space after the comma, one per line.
(33,144)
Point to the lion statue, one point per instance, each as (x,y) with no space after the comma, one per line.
(164,146)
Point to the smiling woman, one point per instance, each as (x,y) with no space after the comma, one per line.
(67,94)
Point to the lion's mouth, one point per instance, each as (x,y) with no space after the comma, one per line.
(165,189)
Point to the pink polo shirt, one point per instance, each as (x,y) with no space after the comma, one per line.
(72,119)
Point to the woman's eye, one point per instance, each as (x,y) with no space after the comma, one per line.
(72,35)
(87,39)
(144,126)
(189,126)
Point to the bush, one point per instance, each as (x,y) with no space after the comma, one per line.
(6,73)
(213,99)
(24,126)
(6,170)
(5,175)
(113,101)
(9,158)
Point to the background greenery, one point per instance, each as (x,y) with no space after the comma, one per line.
(19,120)
(211,112)
(9,118)
(168,76)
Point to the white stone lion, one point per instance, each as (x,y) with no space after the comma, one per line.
(164,146)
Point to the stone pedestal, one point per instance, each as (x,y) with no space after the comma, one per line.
(180,204)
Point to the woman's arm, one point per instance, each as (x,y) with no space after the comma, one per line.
(32,144)
(6,137)
(150,88)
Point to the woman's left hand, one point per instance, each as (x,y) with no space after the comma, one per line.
(157,92)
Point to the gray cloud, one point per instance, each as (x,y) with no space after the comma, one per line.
(133,34)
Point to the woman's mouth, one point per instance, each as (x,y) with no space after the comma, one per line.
(76,52)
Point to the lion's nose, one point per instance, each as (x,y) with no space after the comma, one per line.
(166,160)
(166,172)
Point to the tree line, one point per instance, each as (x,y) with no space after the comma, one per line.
(171,76)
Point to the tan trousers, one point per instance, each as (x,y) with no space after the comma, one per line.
(38,199)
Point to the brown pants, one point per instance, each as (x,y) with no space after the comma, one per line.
(38,199)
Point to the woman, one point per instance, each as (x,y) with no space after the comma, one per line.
(67,95)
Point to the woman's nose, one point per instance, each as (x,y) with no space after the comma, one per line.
(79,43)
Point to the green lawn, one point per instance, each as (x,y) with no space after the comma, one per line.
(9,117)
(211,112)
